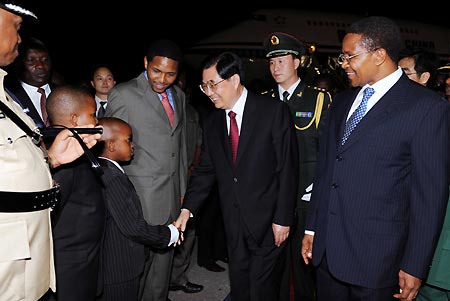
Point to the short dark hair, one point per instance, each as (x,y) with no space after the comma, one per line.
(424,61)
(164,48)
(379,32)
(227,64)
(31,43)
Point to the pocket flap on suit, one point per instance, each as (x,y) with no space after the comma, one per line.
(15,244)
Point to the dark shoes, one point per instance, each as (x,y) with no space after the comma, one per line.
(188,288)
(213,267)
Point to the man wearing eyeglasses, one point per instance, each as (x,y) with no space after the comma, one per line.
(249,149)
(381,184)
(308,107)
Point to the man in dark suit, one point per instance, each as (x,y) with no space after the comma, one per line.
(257,182)
(33,70)
(381,185)
(79,220)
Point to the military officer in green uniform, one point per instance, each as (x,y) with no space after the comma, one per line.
(308,106)
(437,285)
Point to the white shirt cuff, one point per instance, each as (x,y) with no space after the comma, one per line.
(309,232)
(174,234)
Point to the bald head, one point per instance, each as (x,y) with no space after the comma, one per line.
(117,139)
(112,127)
(71,106)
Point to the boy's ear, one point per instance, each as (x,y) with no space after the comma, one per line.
(74,119)
(111,146)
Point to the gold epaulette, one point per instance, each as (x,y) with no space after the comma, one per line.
(317,113)
(317,88)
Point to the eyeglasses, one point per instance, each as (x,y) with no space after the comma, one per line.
(210,85)
(410,73)
(346,58)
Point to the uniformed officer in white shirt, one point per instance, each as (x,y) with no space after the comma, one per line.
(27,191)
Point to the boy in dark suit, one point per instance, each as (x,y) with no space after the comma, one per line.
(126,230)
(79,221)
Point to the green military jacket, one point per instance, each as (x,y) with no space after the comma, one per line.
(308,106)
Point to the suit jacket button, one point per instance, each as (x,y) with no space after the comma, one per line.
(334,185)
(235,180)
(338,158)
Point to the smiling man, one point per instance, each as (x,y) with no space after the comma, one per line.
(249,148)
(381,186)
(156,110)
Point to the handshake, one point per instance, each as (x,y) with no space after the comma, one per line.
(180,224)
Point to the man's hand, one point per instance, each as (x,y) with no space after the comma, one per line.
(281,233)
(181,223)
(307,244)
(66,148)
(409,286)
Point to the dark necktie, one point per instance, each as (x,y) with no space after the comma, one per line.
(43,109)
(234,135)
(101,110)
(166,104)
(285,96)
(357,115)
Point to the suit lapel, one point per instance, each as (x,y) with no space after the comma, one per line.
(222,127)
(394,98)
(151,98)
(178,107)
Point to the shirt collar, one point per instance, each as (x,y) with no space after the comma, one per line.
(239,106)
(290,90)
(114,162)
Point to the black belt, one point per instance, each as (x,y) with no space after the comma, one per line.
(28,201)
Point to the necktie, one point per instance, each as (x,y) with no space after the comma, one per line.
(285,96)
(101,110)
(357,115)
(43,109)
(234,135)
(166,104)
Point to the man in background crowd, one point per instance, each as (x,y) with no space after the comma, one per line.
(32,81)
(102,81)
(420,65)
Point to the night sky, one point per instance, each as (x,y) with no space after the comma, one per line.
(82,33)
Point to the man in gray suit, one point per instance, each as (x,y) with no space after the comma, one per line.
(159,169)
